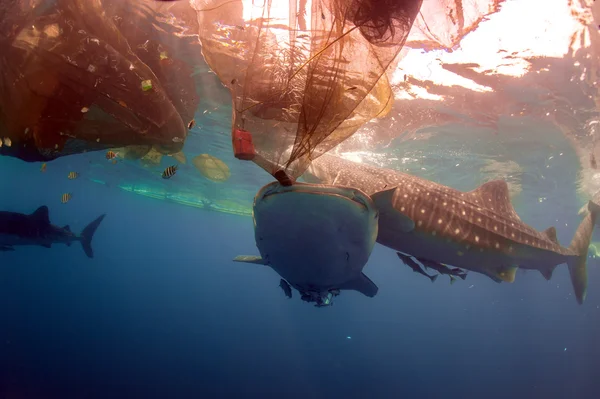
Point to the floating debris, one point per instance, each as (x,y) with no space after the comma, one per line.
(180,157)
(212,168)
(146,85)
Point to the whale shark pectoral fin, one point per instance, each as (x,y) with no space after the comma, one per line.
(41,215)
(6,248)
(250,259)
(388,205)
(362,284)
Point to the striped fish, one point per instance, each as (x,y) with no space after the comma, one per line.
(169,172)
(73,175)
(110,155)
(66,197)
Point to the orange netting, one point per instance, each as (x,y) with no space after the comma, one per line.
(306,74)
(80,75)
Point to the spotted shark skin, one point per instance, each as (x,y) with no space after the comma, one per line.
(477,230)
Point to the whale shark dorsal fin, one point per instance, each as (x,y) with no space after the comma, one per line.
(250,259)
(385,202)
(494,195)
(41,214)
(362,284)
(550,232)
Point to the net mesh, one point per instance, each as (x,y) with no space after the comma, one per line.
(76,75)
(306,74)
(303,75)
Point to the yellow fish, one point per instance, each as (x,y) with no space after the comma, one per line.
(169,172)
(43,168)
(73,175)
(66,197)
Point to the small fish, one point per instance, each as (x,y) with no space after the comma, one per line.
(351,88)
(73,175)
(43,168)
(443,269)
(287,290)
(408,261)
(191,124)
(66,197)
(84,109)
(110,155)
(169,172)
(593,162)
(7,142)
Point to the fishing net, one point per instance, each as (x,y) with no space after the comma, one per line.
(79,75)
(441,24)
(305,75)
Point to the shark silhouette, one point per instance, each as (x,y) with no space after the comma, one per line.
(36,229)
(477,230)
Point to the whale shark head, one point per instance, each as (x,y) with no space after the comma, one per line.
(314,233)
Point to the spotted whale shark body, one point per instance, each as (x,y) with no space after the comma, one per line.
(477,230)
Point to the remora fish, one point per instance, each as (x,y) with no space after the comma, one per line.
(35,229)
(408,261)
(287,290)
(477,230)
(443,269)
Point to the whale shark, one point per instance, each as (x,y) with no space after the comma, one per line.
(477,230)
(36,229)
(316,237)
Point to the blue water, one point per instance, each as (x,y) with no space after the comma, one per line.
(163,312)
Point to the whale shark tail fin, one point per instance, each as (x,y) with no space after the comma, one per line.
(87,234)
